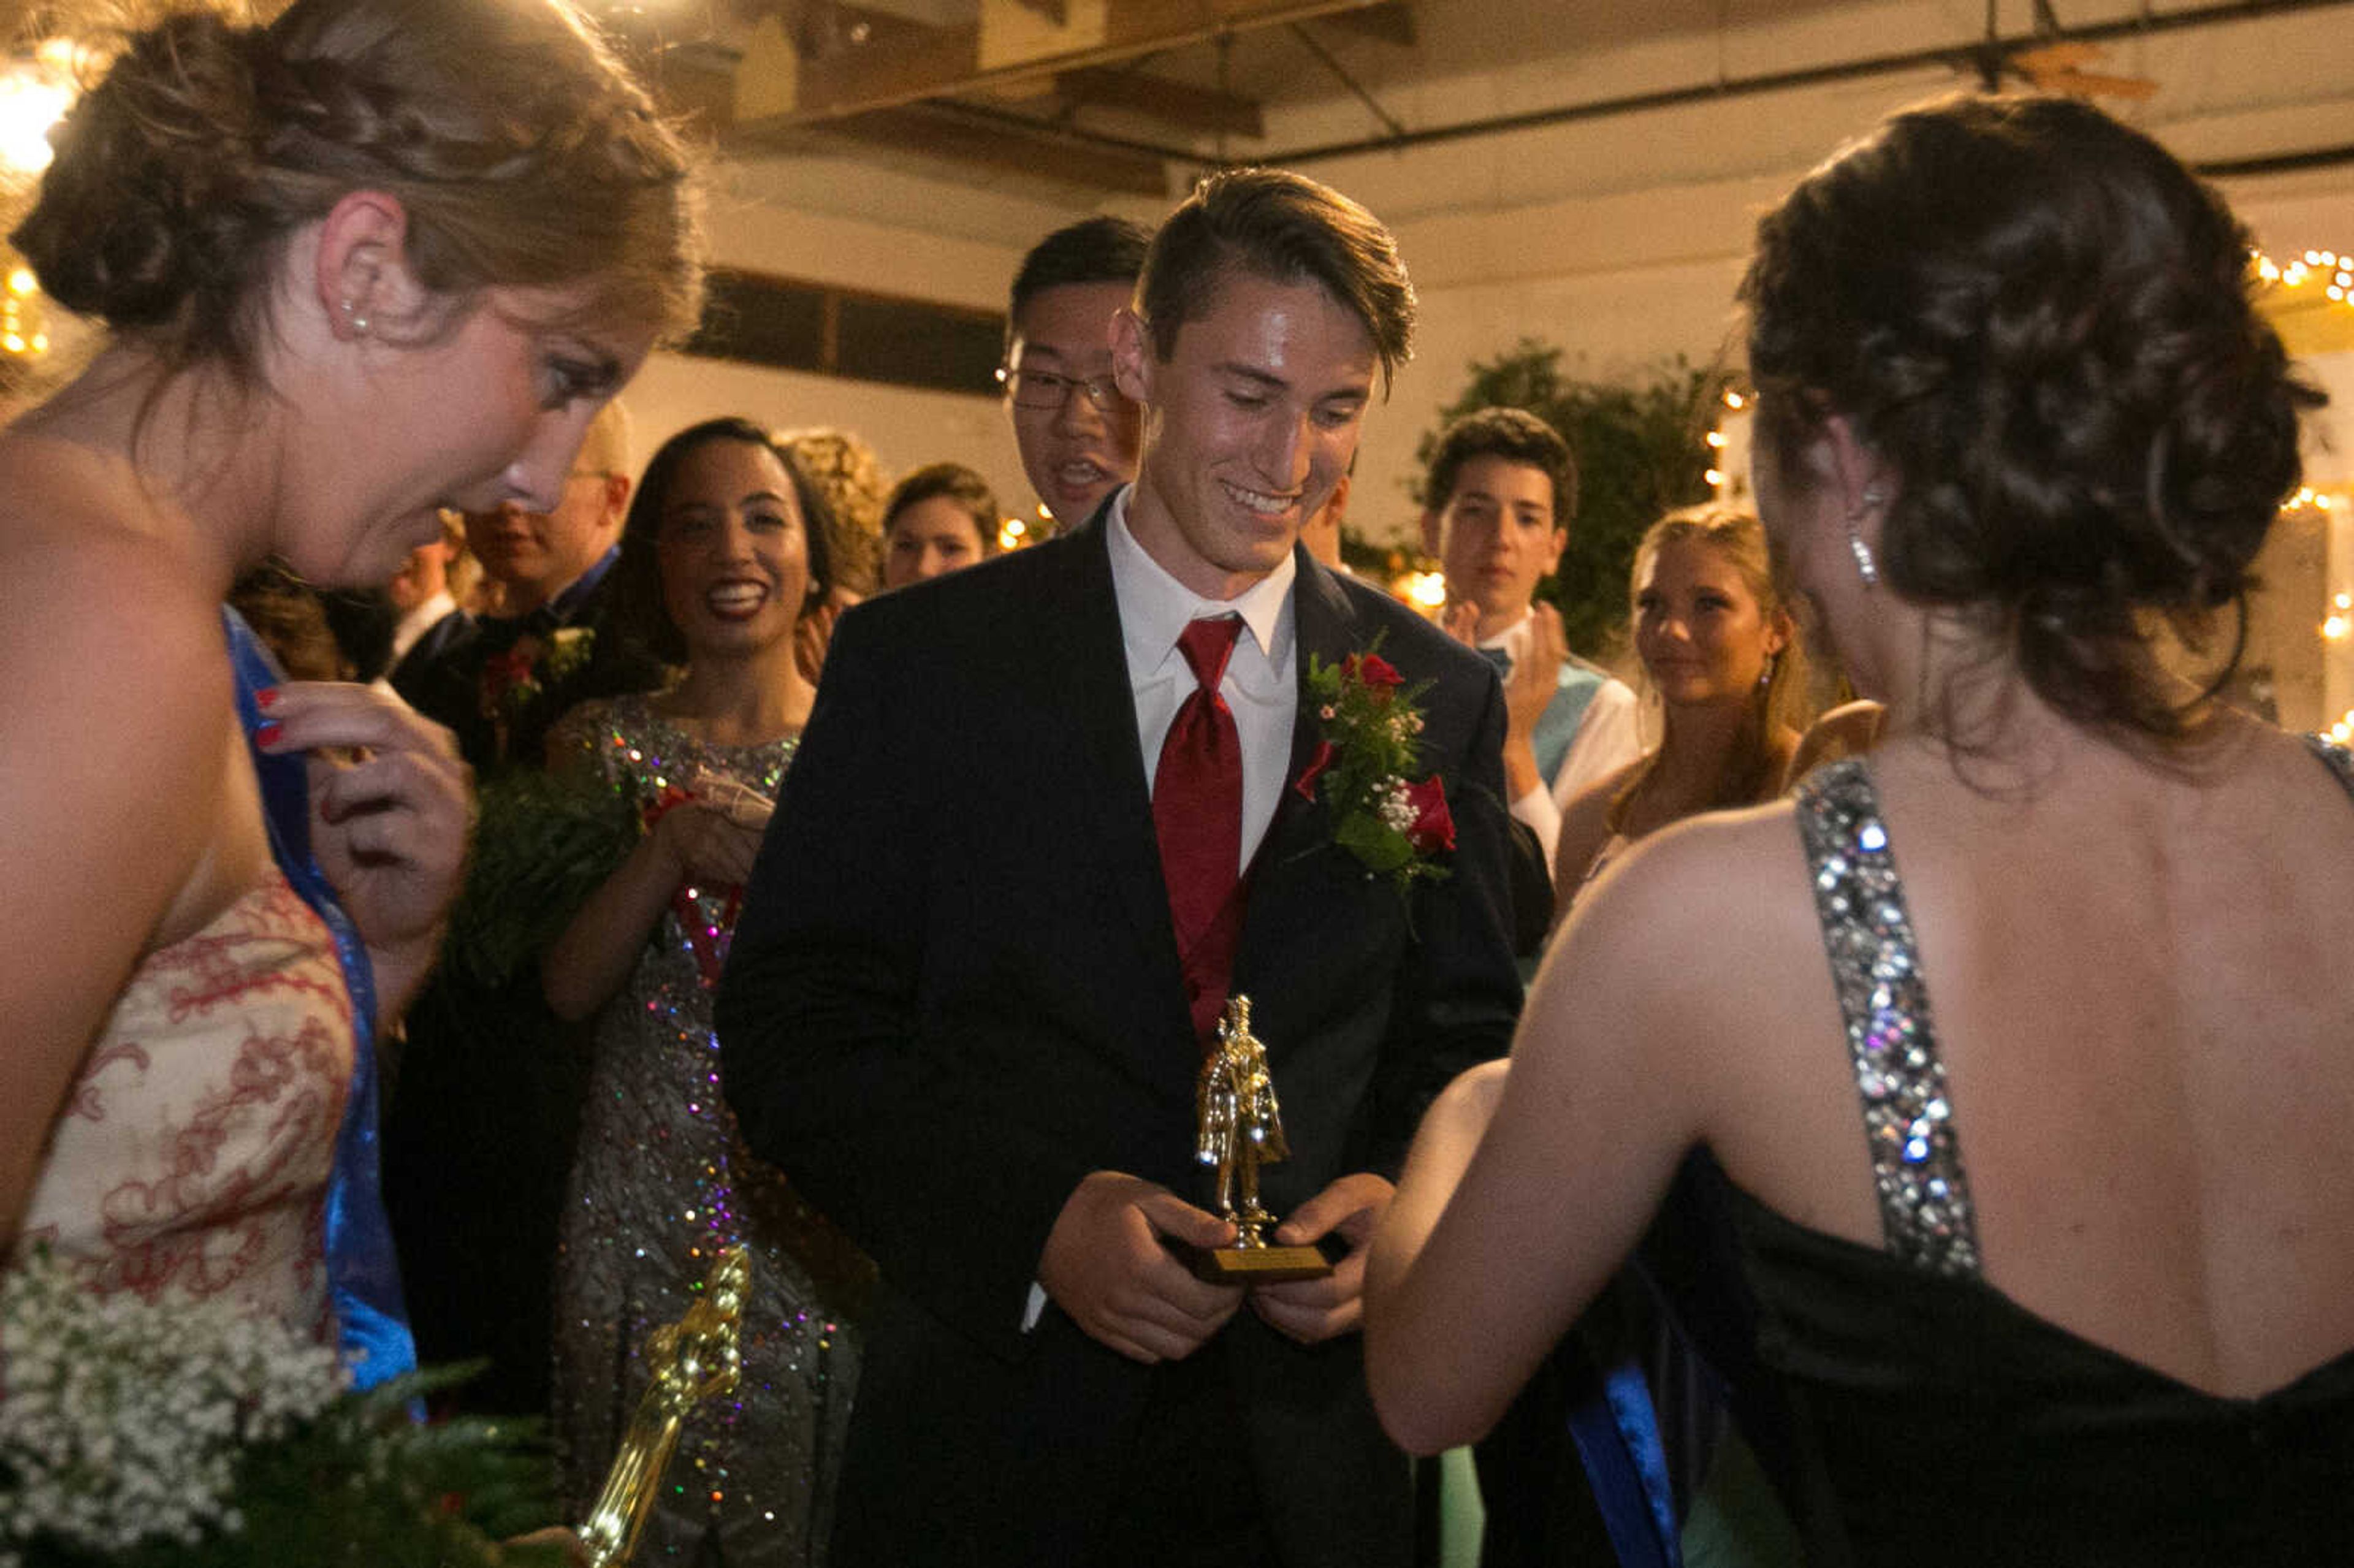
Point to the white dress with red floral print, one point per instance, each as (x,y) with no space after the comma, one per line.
(190,1160)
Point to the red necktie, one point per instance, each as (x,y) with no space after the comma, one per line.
(1197,814)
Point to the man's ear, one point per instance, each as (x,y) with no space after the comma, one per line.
(1560,543)
(1338,505)
(1132,355)
(360,274)
(1434,532)
(617,498)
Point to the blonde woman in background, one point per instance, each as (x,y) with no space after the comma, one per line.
(1721,650)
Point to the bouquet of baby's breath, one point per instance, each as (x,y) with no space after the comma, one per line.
(135,1434)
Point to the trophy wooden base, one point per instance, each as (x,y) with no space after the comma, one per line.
(1250,1264)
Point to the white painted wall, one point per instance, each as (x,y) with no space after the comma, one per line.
(757,223)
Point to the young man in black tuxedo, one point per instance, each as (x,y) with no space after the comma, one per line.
(1047,816)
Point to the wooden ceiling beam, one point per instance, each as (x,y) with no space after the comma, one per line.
(1200,110)
(946,61)
(1392,22)
(940,132)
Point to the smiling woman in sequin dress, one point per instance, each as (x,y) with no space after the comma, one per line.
(2060,1273)
(720,558)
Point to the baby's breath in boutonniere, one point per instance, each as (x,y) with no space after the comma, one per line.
(1372,731)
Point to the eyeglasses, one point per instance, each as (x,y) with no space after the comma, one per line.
(1045,389)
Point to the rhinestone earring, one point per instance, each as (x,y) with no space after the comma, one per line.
(1865,566)
(359,322)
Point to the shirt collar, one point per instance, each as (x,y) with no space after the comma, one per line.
(568,604)
(1513,639)
(419,618)
(1155,607)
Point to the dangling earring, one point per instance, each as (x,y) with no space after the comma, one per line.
(1865,566)
(1765,677)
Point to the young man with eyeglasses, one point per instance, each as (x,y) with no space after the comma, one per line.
(1077,433)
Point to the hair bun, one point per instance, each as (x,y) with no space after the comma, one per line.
(2043,320)
(143,207)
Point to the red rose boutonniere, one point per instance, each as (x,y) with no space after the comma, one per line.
(516,678)
(1395,827)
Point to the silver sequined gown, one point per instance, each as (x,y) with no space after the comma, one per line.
(661,1182)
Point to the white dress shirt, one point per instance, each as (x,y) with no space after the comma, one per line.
(1261,683)
(417,621)
(1608,737)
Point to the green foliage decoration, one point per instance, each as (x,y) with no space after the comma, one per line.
(542,844)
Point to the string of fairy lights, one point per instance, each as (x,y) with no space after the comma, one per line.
(2292,284)
(37,88)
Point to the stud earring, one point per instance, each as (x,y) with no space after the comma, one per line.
(359,322)
(1865,566)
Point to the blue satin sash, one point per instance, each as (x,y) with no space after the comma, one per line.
(363,1272)
(1617,1436)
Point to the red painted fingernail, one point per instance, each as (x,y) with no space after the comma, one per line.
(266,734)
(266,698)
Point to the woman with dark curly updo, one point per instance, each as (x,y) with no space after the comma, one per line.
(374,259)
(2084,1294)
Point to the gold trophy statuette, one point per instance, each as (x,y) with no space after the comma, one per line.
(695,1359)
(1241,1128)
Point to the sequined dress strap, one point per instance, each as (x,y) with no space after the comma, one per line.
(2340,759)
(1916,1154)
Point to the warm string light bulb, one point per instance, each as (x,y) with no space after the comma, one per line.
(1716,475)
(2332,271)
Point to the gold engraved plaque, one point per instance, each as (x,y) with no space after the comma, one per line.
(1241,1128)
(695,1359)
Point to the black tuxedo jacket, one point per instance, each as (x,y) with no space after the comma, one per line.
(954,991)
(432,647)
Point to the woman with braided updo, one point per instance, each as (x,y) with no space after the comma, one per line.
(2080,1288)
(377,259)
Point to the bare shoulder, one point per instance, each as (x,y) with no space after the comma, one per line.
(1595,799)
(115,698)
(1711,873)
(1849,729)
(1585,826)
(100,607)
(114,674)
(1688,939)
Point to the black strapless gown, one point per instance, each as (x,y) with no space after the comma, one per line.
(1914,1415)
